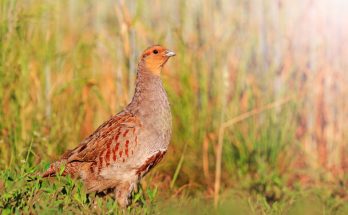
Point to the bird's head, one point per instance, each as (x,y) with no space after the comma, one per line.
(155,57)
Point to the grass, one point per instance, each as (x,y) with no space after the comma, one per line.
(22,191)
(66,66)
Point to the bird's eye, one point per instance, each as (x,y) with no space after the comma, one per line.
(155,51)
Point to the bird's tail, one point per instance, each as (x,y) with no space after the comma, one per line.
(55,167)
(63,168)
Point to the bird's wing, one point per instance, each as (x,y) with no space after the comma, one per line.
(113,141)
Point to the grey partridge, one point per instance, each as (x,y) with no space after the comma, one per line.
(128,145)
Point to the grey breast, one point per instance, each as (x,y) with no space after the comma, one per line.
(150,103)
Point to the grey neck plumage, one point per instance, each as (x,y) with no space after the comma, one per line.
(150,102)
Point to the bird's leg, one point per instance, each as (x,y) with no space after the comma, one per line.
(135,187)
(140,187)
(138,190)
(123,194)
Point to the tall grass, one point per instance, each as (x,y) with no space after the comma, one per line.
(66,66)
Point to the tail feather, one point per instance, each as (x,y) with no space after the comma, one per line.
(56,168)
(51,171)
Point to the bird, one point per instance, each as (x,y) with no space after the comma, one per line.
(123,149)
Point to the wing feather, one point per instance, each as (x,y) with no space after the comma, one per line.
(112,142)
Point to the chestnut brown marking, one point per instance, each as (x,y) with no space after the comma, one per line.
(125,133)
(126,150)
(82,148)
(108,130)
(100,164)
(107,157)
(132,152)
(114,151)
(91,169)
(117,135)
(108,144)
(111,122)
(150,163)
(104,135)
(116,147)
(114,154)
(136,140)
(123,160)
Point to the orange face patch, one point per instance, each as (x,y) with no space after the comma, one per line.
(153,50)
(155,57)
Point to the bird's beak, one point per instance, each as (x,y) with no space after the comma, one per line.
(169,53)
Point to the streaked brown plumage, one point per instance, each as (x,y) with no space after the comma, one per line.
(124,148)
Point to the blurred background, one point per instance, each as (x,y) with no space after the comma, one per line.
(258,89)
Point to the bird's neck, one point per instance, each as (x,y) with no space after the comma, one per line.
(149,96)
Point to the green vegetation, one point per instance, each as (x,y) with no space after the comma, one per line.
(245,89)
(24,192)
